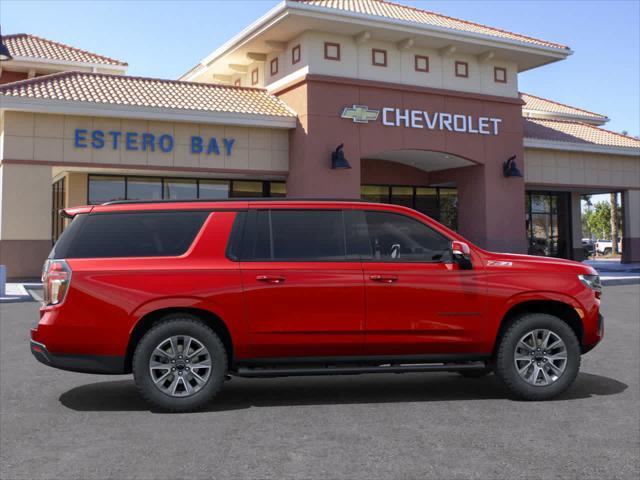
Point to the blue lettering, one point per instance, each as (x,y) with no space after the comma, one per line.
(132,141)
(148,140)
(115,136)
(97,137)
(196,144)
(213,146)
(228,144)
(80,138)
(165,142)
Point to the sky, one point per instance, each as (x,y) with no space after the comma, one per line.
(166,38)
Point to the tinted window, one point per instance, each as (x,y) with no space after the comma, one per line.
(297,235)
(105,189)
(139,234)
(398,238)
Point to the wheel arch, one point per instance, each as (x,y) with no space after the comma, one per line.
(147,321)
(563,310)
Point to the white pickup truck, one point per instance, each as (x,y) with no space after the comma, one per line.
(605,247)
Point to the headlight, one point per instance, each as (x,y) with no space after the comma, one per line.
(592,282)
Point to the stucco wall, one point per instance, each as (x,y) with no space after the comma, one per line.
(554,167)
(50,138)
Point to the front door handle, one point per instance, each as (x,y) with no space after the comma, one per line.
(384,278)
(275,279)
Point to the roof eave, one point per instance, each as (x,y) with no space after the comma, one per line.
(548,115)
(68,63)
(68,107)
(536,143)
(286,7)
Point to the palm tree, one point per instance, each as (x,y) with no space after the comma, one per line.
(614,223)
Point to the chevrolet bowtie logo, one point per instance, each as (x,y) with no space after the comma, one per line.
(360,114)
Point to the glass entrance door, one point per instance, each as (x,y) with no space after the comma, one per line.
(548,223)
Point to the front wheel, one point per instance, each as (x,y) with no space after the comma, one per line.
(538,357)
(180,364)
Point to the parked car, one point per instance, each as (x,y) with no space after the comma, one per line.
(605,247)
(589,247)
(188,294)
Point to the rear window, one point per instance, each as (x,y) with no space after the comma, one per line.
(135,234)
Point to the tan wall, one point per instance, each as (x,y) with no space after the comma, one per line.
(76,189)
(553,167)
(50,138)
(25,198)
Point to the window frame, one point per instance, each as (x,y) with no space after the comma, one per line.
(495,74)
(274,63)
(375,51)
(326,51)
(416,58)
(255,76)
(460,63)
(296,54)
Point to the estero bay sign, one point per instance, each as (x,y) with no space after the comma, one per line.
(136,141)
(403,117)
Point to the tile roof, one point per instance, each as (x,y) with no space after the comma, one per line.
(545,105)
(31,46)
(108,89)
(575,132)
(395,11)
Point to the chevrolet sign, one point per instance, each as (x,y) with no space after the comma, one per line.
(360,114)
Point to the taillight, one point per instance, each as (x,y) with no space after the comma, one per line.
(56,277)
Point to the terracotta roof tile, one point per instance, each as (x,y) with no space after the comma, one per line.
(540,104)
(148,92)
(395,11)
(27,45)
(575,132)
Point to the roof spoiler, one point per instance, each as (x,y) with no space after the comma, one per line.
(73,211)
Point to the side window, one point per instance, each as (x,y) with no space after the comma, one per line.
(397,238)
(297,235)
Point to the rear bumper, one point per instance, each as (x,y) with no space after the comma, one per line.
(102,364)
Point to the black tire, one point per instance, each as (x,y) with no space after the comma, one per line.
(179,324)
(607,251)
(479,373)
(505,365)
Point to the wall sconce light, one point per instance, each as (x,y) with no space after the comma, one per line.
(510,169)
(338,162)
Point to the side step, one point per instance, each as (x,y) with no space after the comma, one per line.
(284,371)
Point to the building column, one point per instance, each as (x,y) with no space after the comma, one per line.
(25,218)
(631,239)
(576,250)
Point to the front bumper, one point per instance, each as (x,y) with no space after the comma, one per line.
(101,364)
(588,347)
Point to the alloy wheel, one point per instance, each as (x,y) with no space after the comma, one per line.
(180,366)
(540,357)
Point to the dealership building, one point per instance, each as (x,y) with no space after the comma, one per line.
(425,110)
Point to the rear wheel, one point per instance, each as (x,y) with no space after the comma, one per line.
(179,365)
(538,357)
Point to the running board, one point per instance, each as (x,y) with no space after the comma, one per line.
(353,370)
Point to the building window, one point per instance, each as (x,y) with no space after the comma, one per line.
(295,54)
(378,57)
(107,188)
(462,69)
(58,203)
(441,204)
(331,51)
(274,67)
(500,74)
(421,63)
(238,82)
(254,76)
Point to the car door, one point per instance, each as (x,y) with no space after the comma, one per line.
(303,296)
(417,300)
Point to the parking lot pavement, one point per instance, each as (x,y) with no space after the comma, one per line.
(63,425)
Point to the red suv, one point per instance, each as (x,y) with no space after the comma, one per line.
(186,294)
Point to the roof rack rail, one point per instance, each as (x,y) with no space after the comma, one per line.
(239,199)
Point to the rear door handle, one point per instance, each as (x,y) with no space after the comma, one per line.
(384,278)
(275,279)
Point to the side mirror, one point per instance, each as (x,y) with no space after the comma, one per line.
(461,254)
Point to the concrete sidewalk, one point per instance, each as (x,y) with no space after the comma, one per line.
(22,292)
(612,272)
